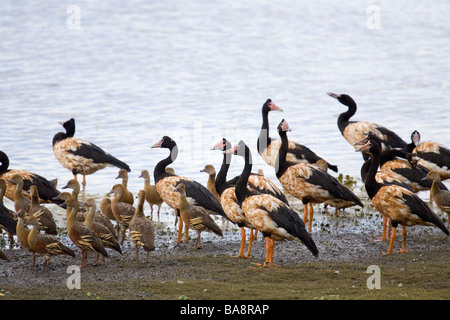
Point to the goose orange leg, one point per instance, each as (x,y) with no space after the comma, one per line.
(242,247)
(258,265)
(403,249)
(311,215)
(270,264)
(305,213)
(251,237)
(391,244)
(384,235)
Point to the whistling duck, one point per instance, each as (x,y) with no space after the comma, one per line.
(268,147)
(82,213)
(46,188)
(210,184)
(228,196)
(45,244)
(45,217)
(308,182)
(415,176)
(127,195)
(166,182)
(123,212)
(400,205)
(105,208)
(274,218)
(195,217)
(7,221)
(142,232)
(20,201)
(151,195)
(105,235)
(75,186)
(22,233)
(440,197)
(354,131)
(432,155)
(82,236)
(80,156)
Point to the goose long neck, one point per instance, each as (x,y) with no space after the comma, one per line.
(372,186)
(160,169)
(241,186)
(344,117)
(282,163)
(264,139)
(221,178)
(70,131)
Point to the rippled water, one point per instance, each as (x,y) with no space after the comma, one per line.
(200,70)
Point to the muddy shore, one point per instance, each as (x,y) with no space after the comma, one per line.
(346,244)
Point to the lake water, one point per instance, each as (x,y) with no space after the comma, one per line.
(131,72)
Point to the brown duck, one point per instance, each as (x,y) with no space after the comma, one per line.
(142,231)
(45,244)
(151,195)
(82,236)
(45,217)
(195,217)
(106,236)
(127,195)
(123,212)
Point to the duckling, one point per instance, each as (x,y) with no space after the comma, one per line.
(127,195)
(45,244)
(102,231)
(46,220)
(210,185)
(82,236)
(7,221)
(22,233)
(142,231)
(195,217)
(123,212)
(440,197)
(151,195)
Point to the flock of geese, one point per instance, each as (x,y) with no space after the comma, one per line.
(393,171)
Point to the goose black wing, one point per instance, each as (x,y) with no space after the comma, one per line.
(418,207)
(334,187)
(98,155)
(289,220)
(302,152)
